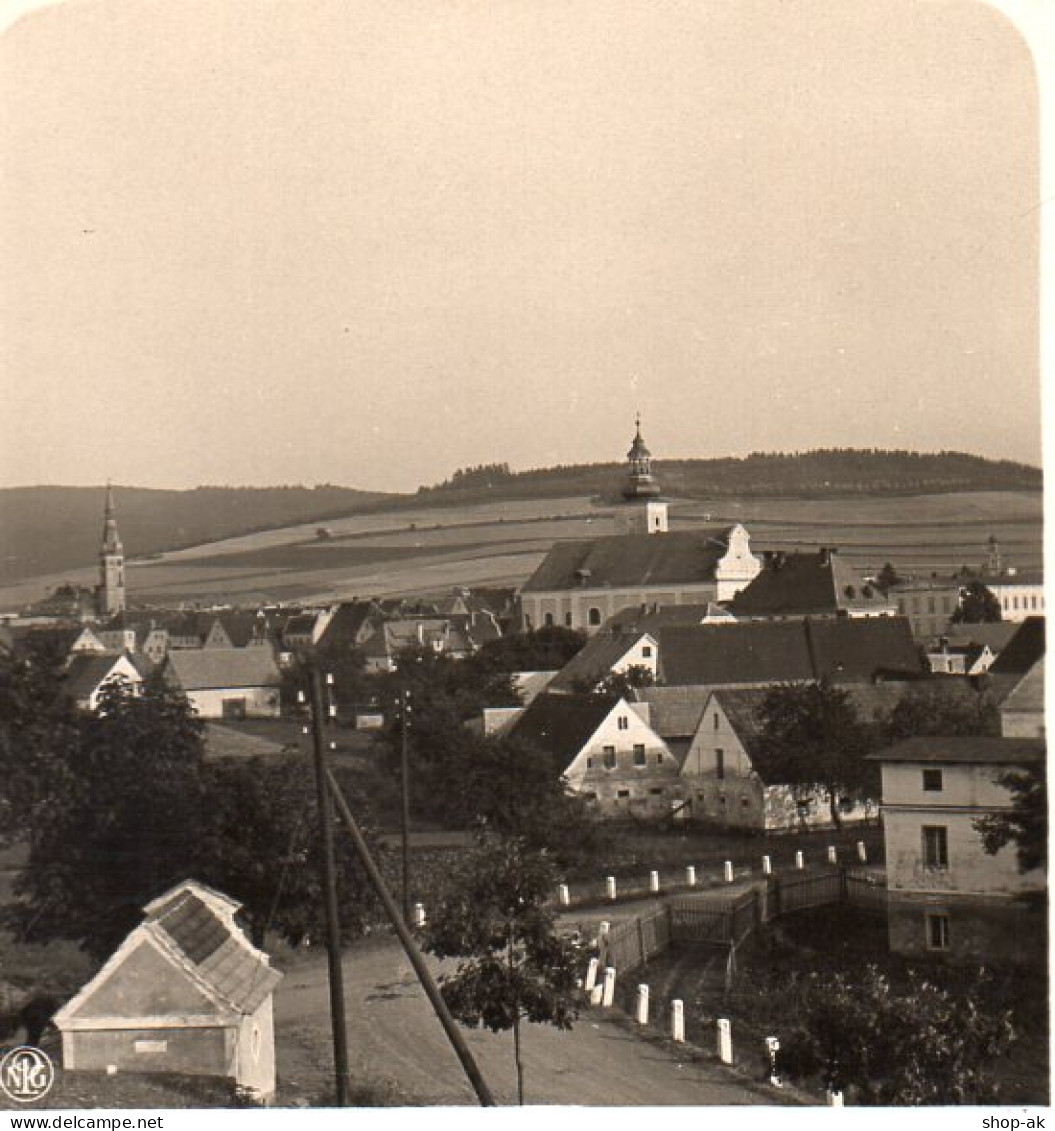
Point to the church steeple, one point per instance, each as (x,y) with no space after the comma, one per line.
(110,594)
(646,512)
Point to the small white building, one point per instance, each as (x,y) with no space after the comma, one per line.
(88,673)
(185,992)
(227,683)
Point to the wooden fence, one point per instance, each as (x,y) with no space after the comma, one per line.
(729,921)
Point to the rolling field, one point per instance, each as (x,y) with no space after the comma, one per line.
(432,549)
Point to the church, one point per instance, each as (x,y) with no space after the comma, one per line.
(581,583)
(110,597)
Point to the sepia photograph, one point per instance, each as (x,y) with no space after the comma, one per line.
(522,560)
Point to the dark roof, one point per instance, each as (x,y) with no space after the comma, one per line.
(674,712)
(844,649)
(995,634)
(86,671)
(199,669)
(1023,650)
(1028,693)
(215,948)
(628,560)
(999,751)
(595,660)
(347,623)
(561,724)
(794,584)
(650,616)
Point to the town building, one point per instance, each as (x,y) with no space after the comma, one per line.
(959,659)
(582,583)
(186,992)
(228,683)
(947,897)
(821,584)
(929,604)
(1019,592)
(88,673)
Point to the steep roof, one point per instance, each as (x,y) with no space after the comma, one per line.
(562,724)
(1028,693)
(674,712)
(998,751)
(595,660)
(796,584)
(1023,650)
(842,649)
(347,624)
(629,560)
(86,671)
(197,670)
(996,635)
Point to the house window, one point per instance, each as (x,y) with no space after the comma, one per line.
(547,620)
(937,927)
(715,720)
(646,649)
(932,781)
(719,764)
(640,758)
(656,792)
(589,763)
(700,795)
(594,616)
(622,793)
(624,722)
(935,846)
(233,708)
(567,620)
(659,758)
(1033,601)
(721,798)
(609,757)
(745,802)
(590,796)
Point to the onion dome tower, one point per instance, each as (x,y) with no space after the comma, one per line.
(646,512)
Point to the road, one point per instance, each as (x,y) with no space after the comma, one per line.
(399,1052)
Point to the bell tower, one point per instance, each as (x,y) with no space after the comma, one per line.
(646,512)
(110,594)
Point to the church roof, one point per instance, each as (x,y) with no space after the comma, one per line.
(632,560)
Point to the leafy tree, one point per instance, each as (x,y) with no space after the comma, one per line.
(978,605)
(514,966)
(38,724)
(939,712)
(546,649)
(811,737)
(1025,824)
(621,685)
(915,1046)
(261,845)
(117,821)
(888,577)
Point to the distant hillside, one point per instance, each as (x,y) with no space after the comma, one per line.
(50,529)
(843,471)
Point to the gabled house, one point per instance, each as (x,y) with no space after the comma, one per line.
(606,751)
(823,584)
(948,897)
(608,653)
(728,780)
(88,673)
(960,659)
(185,992)
(231,683)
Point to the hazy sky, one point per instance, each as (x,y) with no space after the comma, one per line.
(367,243)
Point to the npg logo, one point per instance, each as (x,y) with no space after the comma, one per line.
(26,1074)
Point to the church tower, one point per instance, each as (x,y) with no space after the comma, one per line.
(110,595)
(646,512)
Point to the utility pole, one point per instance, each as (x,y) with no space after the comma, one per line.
(405,787)
(328,875)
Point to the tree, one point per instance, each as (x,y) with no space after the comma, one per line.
(261,845)
(888,577)
(621,684)
(812,737)
(917,1045)
(513,966)
(118,819)
(978,605)
(939,712)
(546,649)
(1025,824)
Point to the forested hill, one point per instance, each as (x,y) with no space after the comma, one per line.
(843,471)
(49,529)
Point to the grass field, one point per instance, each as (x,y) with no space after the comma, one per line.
(432,549)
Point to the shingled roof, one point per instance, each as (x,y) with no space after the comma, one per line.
(595,660)
(746,652)
(795,584)
(1023,650)
(629,560)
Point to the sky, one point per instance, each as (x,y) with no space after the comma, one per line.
(299,241)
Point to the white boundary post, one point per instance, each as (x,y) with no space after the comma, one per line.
(642,1004)
(677,1019)
(608,989)
(725,1041)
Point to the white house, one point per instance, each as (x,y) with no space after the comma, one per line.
(947,896)
(231,683)
(88,673)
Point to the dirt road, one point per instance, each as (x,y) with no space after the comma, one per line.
(398,1048)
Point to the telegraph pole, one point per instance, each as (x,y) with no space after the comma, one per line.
(328,876)
(405,764)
